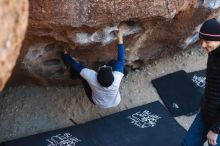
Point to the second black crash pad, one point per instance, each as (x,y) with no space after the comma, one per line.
(178,92)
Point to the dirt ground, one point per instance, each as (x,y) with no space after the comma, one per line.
(27,110)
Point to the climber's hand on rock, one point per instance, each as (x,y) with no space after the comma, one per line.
(66,51)
(120,35)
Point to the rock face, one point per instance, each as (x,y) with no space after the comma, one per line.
(154,28)
(14,18)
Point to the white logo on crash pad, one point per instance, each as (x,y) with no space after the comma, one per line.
(144,119)
(62,140)
(175,105)
(199,81)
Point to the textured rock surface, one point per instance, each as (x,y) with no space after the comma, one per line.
(13,18)
(155,28)
(100,12)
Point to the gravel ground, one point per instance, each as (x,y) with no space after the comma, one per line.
(27,110)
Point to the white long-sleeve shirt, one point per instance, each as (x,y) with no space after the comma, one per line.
(103,97)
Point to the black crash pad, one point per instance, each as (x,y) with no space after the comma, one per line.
(178,92)
(147,125)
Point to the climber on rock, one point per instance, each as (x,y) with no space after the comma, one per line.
(102,87)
